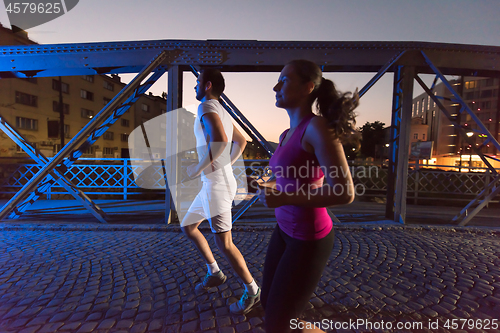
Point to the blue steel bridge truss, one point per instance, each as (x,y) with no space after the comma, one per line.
(405,59)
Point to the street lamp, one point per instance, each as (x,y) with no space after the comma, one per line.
(470,134)
(462,148)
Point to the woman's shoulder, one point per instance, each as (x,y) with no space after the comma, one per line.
(319,129)
(319,123)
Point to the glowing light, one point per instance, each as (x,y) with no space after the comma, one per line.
(469,134)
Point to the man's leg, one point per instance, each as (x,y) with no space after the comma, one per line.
(251,296)
(224,241)
(189,227)
(214,276)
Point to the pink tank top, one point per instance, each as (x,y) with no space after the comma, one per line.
(298,170)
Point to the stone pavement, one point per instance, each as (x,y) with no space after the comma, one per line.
(130,278)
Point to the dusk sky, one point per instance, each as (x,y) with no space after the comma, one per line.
(449,21)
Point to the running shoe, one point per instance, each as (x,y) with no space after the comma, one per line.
(210,281)
(245,304)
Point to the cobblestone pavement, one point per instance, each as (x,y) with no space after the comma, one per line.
(141,279)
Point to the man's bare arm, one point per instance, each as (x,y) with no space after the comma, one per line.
(239,145)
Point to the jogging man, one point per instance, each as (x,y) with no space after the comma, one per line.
(214,133)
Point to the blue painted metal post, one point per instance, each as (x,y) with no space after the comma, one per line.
(125,178)
(404,146)
(174,101)
(399,145)
(394,143)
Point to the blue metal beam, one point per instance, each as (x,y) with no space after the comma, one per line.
(242,55)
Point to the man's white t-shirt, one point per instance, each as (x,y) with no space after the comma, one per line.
(222,165)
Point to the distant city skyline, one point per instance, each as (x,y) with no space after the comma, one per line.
(448,21)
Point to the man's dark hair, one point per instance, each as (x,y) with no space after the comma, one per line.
(215,76)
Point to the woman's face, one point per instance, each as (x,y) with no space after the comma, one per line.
(290,90)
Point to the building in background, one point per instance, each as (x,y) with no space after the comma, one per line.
(32,106)
(449,147)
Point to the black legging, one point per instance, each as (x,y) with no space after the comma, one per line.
(292,271)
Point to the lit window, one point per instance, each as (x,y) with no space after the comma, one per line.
(470,84)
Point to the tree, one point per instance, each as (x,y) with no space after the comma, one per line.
(372,134)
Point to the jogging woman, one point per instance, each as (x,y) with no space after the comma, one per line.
(309,152)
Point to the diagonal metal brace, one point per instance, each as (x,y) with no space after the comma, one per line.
(91,130)
(39,158)
(379,74)
(488,192)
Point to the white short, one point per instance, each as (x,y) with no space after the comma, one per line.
(214,203)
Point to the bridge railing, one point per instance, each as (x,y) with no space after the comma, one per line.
(115,177)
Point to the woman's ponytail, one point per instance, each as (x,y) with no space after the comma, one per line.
(338,109)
